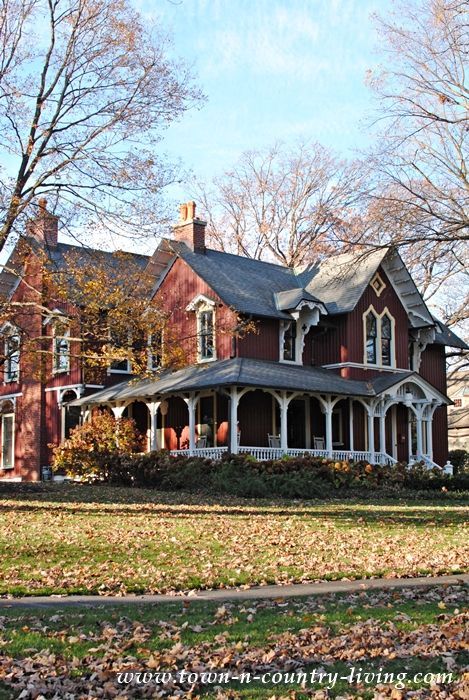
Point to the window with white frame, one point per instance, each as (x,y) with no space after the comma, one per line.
(120,366)
(155,350)
(289,342)
(8,441)
(61,348)
(205,333)
(12,356)
(205,319)
(378,331)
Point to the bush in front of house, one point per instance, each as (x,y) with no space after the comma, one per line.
(460,461)
(288,477)
(93,449)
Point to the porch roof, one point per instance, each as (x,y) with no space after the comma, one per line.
(242,372)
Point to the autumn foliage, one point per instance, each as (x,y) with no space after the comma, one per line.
(92,446)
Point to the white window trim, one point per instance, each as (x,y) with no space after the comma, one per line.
(150,366)
(298,343)
(379,316)
(125,359)
(2,466)
(11,331)
(199,304)
(55,354)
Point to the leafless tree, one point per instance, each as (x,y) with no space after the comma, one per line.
(86,88)
(282,204)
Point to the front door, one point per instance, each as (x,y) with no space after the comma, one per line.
(296,424)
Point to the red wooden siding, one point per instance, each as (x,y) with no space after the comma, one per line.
(354,343)
(262,344)
(325,345)
(433,366)
(178,289)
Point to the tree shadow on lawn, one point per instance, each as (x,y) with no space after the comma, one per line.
(118,501)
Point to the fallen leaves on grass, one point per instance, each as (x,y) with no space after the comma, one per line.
(122,648)
(159,546)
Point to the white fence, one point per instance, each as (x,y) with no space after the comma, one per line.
(267,453)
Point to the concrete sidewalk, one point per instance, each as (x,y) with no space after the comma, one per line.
(256,593)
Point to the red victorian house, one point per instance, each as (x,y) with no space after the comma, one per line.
(345,361)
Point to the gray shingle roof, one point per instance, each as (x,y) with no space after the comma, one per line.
(290,298)
(245,284)
(242,372)
(341,280)
(445,336)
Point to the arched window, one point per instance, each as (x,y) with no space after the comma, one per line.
(386,339)
(371,338)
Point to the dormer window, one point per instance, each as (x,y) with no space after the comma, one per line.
(205,319)
(378,338)
(289,342)
(12,356)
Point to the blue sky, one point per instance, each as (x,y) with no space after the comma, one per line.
(271,70)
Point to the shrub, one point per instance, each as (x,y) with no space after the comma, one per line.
(95,448)
(460,461)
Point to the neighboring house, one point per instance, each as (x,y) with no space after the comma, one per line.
(458,413)
(346,360)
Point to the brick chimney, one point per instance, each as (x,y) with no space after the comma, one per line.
(45,226)
(190,229)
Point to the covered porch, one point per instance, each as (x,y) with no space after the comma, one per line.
(242,406)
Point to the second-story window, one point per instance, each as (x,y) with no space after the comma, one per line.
(122,342)
(289,342)
(386,338)
(206,335)
(61,348)
(12,357)
(155,350)
(371,338)
(379,338)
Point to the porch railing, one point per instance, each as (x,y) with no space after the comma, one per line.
(267,453)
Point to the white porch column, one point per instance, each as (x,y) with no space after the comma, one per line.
(191,402)
(429,429)
(382,430)
(350,424)
(118,412)
(284,421)
(419,434)
(328,406)
(371,433)
(153,407)
(234,401)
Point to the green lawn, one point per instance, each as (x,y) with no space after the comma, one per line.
(84,539)
(79,652)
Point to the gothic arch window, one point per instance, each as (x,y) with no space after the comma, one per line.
(378,338)
(386,340)
(61,347)
(371,355)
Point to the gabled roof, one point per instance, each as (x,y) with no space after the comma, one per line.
(339,281)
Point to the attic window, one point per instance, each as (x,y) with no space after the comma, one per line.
(378,285)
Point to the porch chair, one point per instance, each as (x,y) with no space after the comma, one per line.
(274,440)
(319,443)
(201,441)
